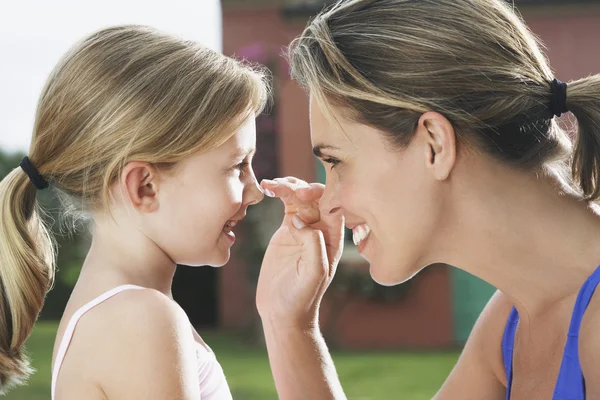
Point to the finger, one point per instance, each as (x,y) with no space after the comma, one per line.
(311,193)
(309,214)
(308,204)
(304,205)
(334,236)
(289,181)
(304,191)
(313,246)
(292,180)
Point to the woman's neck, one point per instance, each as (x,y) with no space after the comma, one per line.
(522,234)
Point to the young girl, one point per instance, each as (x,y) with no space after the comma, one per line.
(153,137)
(437,123)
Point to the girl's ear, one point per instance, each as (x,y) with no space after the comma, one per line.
(139,183)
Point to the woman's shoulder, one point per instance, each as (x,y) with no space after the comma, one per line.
(480,370)
(489,330)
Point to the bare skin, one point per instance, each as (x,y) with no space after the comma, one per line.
(140,344)
(433,202)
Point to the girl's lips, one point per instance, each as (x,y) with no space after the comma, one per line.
(229,235)
(363,244)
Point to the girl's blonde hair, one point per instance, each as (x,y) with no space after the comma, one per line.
(124,93)
(386,62)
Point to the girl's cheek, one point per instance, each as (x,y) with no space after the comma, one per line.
(235,192)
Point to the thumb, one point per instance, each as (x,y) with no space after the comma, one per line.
(314,253)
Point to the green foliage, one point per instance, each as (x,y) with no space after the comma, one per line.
(373,375)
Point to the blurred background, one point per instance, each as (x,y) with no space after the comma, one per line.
(387,343)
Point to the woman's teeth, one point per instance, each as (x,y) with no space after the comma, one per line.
(360,232)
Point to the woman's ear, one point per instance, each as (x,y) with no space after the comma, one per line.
(440,143)
(140,186)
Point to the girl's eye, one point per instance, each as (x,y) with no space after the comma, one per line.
(242,166)
(332,161)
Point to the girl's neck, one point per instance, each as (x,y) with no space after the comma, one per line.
(119,255)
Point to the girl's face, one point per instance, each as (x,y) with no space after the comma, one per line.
(203,198)
(391,199)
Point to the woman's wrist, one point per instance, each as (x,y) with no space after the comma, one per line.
(304,326)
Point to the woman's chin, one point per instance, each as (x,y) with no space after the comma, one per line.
(390,274)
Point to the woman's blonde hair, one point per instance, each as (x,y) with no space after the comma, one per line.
(386,62)
(124,93)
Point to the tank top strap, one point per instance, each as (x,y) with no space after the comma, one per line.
(68,334)
(571,383)
(583,300)
(508,344)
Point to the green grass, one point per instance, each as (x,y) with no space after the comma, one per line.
(365,376)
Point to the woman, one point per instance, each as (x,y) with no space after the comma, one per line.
(437,124)
(152,136)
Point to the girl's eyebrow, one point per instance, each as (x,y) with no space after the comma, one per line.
(241,153)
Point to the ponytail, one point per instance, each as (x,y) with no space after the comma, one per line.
(26,273)
(583,100)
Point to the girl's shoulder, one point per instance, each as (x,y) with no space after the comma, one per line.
(138,311)
(103,321)
(134,334)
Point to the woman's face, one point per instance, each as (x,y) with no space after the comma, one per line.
(391,199)
(203,198)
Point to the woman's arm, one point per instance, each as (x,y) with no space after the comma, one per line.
(301,364)
(303,368)
(297,268)
(479,372)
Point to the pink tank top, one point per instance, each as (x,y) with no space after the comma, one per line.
(213,385)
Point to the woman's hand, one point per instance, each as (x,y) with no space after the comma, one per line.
(302,256)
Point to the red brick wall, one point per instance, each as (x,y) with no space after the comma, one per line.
(422,320)
(425,318)
(243,28)
(572,41)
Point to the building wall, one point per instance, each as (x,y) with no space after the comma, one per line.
(427,317)
(570,35)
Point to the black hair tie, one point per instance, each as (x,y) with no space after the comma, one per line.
(34,176)
(558,105)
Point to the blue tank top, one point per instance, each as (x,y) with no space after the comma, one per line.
(570,384)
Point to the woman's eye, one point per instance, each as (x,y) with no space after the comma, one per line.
(331,161)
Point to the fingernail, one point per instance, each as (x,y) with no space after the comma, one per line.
(297,222)
(269,193)
(269,182)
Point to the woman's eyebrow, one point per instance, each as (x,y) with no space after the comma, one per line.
(317,150)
